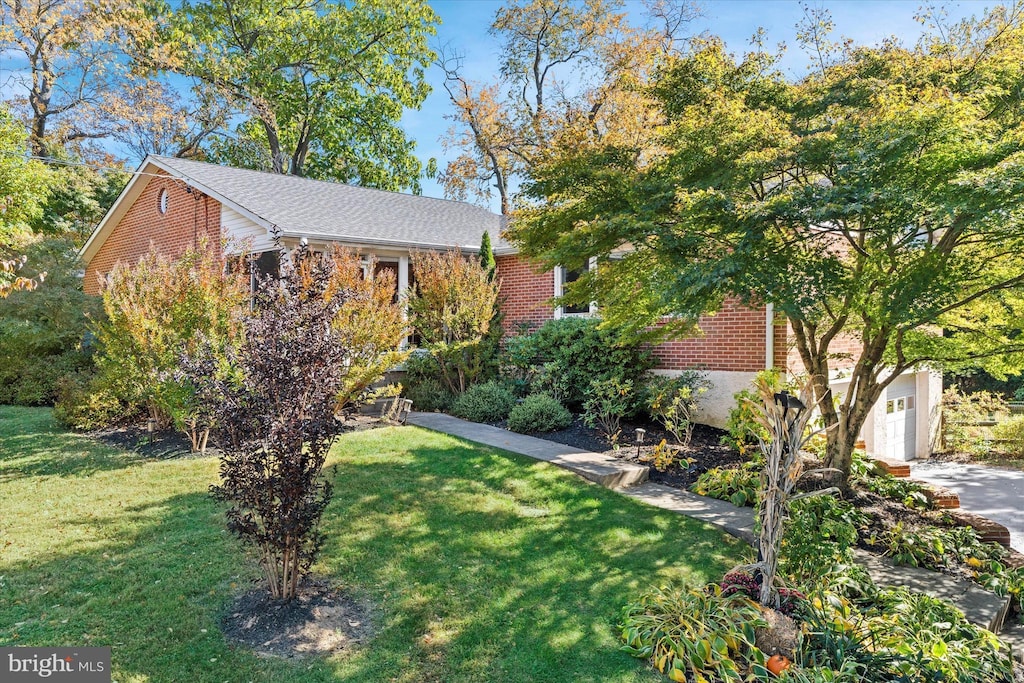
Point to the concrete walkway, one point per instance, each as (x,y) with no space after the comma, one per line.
(738,522)
(993,492)
(981,607)
(600,469)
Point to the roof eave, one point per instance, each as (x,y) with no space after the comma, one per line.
(117,209)
(134,188)
(373,241)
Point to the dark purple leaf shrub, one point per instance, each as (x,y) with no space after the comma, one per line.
(274,409)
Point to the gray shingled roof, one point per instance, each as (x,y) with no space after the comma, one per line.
(314,208)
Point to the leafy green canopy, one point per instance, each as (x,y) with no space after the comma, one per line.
(880,197)
(24,184)
(321,85)
(42,331)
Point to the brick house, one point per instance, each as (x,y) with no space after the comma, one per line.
(174,204)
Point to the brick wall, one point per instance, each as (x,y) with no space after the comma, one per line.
(525,294)
(734,338)
(189,217)
(783,352)
(845,347)
(733,341)
(849,347)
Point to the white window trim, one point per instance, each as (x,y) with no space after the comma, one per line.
(559,274)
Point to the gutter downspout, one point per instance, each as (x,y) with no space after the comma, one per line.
(769,336)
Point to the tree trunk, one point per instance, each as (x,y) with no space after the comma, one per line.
(839,450)
(301,151)
(499,182)
(844,423)
(39,100)
(37,136)
(268,119)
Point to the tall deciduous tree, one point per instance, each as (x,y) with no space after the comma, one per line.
(41,331)
(79,81)
(568,69)
(79,196)
(24,185)
(321,84)
(881,197)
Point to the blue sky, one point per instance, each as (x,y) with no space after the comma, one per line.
(465,22)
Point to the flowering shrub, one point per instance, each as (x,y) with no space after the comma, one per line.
(739,582)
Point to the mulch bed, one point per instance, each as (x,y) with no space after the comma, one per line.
(319,621)
(170,443)
(704,451)
(161,445)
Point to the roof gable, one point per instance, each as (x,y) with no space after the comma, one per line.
(301,207)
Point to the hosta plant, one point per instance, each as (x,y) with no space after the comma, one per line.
(738,485)
(905,491)
(900,636)
(699,634)
(934,642)
(909,548)
(819,537)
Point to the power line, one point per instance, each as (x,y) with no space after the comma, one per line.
(181,180)
(93,167)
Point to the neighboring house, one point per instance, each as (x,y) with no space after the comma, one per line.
(173,204)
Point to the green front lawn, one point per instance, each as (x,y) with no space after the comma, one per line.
(482,566)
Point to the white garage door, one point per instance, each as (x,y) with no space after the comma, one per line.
(901,420)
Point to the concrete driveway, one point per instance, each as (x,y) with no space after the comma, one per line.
(992,492)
